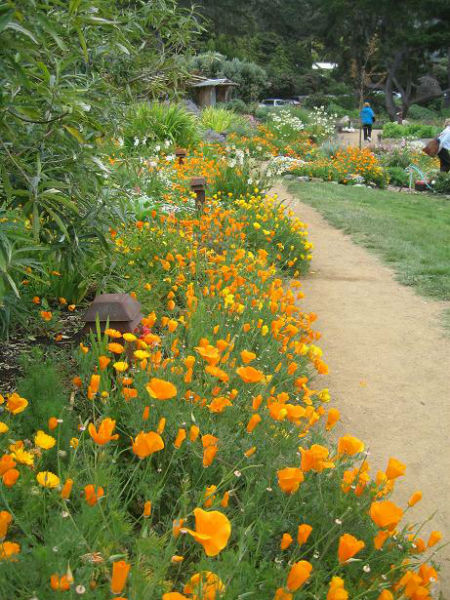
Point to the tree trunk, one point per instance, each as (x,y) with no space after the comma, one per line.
(389,99)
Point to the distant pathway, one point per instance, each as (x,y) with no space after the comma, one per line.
(389,367)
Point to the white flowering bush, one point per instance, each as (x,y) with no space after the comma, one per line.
(322,124)
(285,125)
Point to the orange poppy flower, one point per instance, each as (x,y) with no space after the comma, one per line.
(337,590)
(218,405)
(315,459)
(8,550)
(113,333)
(427,572)
(174,596)
(380,538)
(115,348)
(160,389)
(120,570)
(247,356)
(10,477)
(5,521)
(286,541)
(53,423)
(92,496)
(299,573)
(415,498)
(386,595)
(103,362)
(104,433)
(15,404)
(147,509)
(333,417)
(209,353)
(212,530)
(253,422)
(350,445)
(181,436)
(193,433)
(348,547)
(217,372)
(385,514)
(250,374)
(435,537)
(289,479)
(204,586)
(177,526)
(395,469)
(146,443)
(67,489)
(60,584)
(303,533)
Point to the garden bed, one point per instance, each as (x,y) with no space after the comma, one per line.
(193,459)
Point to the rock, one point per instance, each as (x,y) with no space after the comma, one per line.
(303,178)
(210,135)
(191,107)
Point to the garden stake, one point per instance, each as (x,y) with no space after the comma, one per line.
(180,153)
(198,185)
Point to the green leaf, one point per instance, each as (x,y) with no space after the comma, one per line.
(83,43)
(75,133)
(6,19)
(123,48)
(7,184)
(73,6)
(16,27)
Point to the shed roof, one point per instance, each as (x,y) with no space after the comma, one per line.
(213,82)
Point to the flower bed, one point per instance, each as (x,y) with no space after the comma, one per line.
(192,459)
(346,165)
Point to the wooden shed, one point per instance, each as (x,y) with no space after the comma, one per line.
(210,91)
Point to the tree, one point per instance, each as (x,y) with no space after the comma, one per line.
(407,44)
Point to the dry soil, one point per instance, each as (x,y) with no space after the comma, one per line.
(389,365)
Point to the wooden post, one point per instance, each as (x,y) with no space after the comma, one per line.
(198,185)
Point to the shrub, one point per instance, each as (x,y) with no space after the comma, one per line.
(159,122)
(421,113)
(220,119)
(285,125)
(398,157)
(410,131)
(321,124)
(398,176)
(237,105)
(441,183)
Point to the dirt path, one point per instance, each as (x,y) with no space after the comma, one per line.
(389,367)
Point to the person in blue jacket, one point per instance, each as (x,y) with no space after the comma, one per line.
(367,119)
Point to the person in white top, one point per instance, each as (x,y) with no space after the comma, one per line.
(444,147)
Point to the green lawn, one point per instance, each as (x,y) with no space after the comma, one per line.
(410,232)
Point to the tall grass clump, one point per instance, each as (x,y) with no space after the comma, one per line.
(220,119)
(158,122)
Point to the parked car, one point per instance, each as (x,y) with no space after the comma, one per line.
(272,102)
